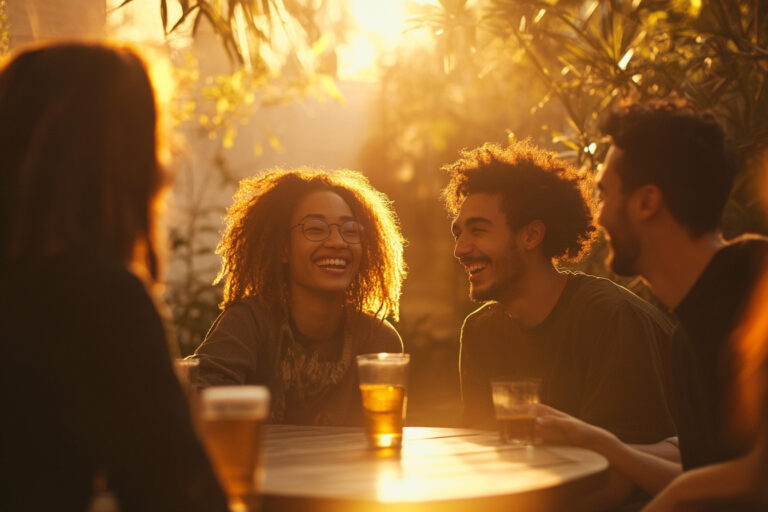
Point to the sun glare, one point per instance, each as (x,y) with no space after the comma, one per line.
(380,27)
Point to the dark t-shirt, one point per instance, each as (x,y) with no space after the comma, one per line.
(702,366)
(86,386)
(596,353)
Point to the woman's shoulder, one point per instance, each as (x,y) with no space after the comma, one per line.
(247,314)
(373,334)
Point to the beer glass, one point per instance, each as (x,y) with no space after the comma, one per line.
(383,385)
(515,404)
(231,418)
(186,372)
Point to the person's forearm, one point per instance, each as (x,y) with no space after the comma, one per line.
(719,483)
(649,471)
(667,449)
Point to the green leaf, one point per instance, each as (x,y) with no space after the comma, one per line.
(185,13)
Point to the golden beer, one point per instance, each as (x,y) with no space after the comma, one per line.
(383,387)
(232,419)
(384,407)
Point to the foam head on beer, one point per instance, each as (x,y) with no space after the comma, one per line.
(235,401)
(383,386)
(232,418)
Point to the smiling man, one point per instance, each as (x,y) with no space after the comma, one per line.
(518,211)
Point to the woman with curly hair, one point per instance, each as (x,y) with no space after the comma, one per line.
(312,264)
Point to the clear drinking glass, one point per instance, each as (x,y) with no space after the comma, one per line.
(384,388)
(232,419)
(186,369)
(515,404)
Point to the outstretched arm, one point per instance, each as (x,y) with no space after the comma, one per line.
(732,482)
(648,466)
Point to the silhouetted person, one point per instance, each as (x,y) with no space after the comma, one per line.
(313,264)
(663,188)
(86,383)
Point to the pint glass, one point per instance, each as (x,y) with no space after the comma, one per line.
(383,386)
(515,402)
(186,370)
(232,417)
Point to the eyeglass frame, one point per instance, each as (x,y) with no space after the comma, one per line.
(329,224)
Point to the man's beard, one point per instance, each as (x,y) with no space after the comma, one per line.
(499,291)
(625,248)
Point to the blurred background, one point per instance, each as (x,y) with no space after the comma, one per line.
(394,89)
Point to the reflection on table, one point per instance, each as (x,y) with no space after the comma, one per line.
(331,468)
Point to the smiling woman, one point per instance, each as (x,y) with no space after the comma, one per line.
(312,264)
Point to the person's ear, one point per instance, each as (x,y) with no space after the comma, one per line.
(531,235)
(647,201)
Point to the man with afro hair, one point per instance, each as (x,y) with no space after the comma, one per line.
(595,346)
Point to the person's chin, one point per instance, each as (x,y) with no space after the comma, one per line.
(480,295)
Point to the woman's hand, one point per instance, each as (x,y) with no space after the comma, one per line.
(554,426)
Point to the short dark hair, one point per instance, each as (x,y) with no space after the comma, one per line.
(534,185)
(684,153)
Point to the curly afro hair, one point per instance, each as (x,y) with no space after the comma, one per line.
(257,232)
(533,185)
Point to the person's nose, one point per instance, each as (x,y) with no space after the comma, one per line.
(461,247)
(334,237)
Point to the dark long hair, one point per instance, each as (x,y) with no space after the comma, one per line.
(78,165)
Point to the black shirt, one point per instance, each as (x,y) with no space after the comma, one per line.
(702,367)
(596,353)
(87,387)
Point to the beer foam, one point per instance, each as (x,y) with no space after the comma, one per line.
(383,359)
(235,402)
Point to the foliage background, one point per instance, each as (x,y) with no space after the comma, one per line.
(487,70)
(546,70)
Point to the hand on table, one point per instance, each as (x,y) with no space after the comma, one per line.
(554,426)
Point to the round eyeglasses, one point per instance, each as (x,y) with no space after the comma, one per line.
(317,230)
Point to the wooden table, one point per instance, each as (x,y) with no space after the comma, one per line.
(441,469)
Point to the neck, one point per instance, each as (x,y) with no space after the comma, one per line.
(676,263)
(535,294)
(316,315)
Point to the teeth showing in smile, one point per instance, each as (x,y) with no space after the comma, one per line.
(338,263)
(475,267)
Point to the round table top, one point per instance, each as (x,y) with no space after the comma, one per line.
(328,467)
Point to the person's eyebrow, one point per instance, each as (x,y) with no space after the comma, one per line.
(312,216)
(477,220)
(471,221)
(320,216)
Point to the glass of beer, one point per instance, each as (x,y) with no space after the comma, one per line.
(515,404)
(186,371)
(231,418)
(383,386)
